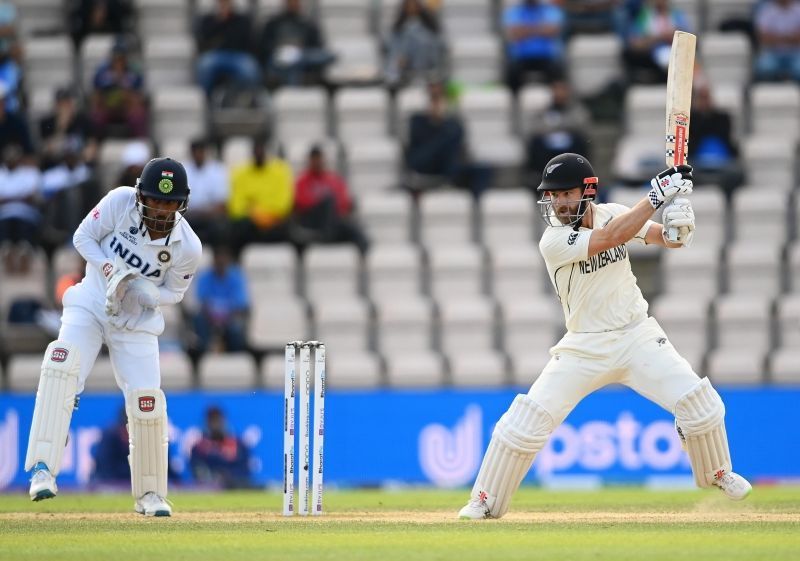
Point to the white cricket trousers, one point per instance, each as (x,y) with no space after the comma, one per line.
(134,354)
(640,357)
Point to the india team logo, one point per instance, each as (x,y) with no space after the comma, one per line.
(147,403)
(165,185)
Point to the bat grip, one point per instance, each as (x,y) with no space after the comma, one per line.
(672,235)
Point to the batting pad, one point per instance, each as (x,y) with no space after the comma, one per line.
(700,417)
(55,400)
(519,434)
(148,436)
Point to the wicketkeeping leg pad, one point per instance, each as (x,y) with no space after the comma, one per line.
(700,418)
(519,434)
(55,400)
(149,441)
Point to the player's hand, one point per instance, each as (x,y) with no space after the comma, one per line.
(131,321)
(678,216)
(140,295)
(670,183)
(118,278)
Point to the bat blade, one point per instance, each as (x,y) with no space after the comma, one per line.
(679,103)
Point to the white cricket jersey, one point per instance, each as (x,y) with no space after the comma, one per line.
(598,293)
(114,228)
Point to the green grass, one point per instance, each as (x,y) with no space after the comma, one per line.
(416,525)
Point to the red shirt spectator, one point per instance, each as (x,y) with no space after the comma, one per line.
(317,183)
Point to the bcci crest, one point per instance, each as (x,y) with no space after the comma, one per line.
(164,256)
(165,186)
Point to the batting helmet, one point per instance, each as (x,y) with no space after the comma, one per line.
(567,171)
(163,179)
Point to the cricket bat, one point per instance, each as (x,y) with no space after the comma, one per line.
(679,102)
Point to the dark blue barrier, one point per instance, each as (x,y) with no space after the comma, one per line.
(437,437)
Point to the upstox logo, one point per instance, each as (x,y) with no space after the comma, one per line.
(451,457)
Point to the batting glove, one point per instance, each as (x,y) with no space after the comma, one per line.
(678,216)
(669,184)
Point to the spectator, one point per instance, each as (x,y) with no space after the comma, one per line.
(556,130)
(10,77)
(100,16)
(534,33)
(220,458)
(66,121)
(594,16)
(221,321)
(292,48)
(208,180)
(19,213)
(713,151)
(415,48)
(323,204)
(778,33)
(118,98)
(436,153)
(134,157)
(111,454)
(262,195)
(224,44)
(69,191)
(13,127)
(649,40)
(8,31)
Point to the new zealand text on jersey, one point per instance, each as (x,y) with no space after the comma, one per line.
(133,260)
(602,259)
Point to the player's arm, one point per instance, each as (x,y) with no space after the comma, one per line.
(179,276)
(655,236)
(672,182)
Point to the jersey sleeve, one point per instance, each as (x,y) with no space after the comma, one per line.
(179,276)
(560,246)
(99,223)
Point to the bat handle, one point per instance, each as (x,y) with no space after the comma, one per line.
(672,235)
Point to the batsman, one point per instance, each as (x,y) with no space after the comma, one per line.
(610,337)
(140,255)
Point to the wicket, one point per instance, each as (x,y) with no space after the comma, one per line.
(300,351)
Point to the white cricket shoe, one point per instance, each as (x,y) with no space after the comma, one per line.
(43,483)
(475,509)
(734,486)
(151,504)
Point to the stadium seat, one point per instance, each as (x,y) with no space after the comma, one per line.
(775,111)
(353,369)
(178,112)
(102,377)
(467,17)
(94,50)
(270,270)
(731,98)
(711,215)
(533,323)
(361,113)
(176,371)
(743,322)
(111,155)
(477,368)
(736,365)
(787,311)
(769,159)
(476,59)
(487,113)
(40,17)
(393,271)
(160,18)
(508,217)
(169,60)
(24,371)
(386,216)
(718,11)
(755,217)
(793,265)
(275,322)
(231,371)
(517,270)
(456,270)
(419,369)
(357,60)
(693,271)
(48,63)
(726,58)
(404,324)
(174,328)
(343,323)
(31,285)
(332,271)
(342,19)
(413,99)
(466,324)
(644,111)
(754,267)
(638,158)
(593,62)
(300,113)
(446,218)
(684,317)
(526,365)
(784,367)
(373,165)
(236,151)
(533,100)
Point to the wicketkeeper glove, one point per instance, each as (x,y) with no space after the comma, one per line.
(117,275)
(669,184)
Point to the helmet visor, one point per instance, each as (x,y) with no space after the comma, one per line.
(567,213)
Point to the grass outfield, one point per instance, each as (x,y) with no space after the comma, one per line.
(612,524)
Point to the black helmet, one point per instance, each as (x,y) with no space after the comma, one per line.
(163,179)
(567,171)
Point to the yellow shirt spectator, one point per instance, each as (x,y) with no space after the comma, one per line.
(264,194)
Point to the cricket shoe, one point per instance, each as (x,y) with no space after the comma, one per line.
(43,484)
(475,509)
(733,485)
(151,504)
